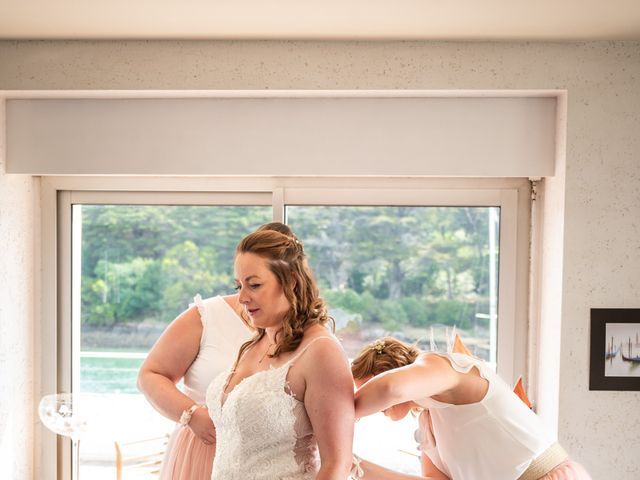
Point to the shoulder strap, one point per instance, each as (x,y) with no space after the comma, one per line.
(306,347)
(199,304)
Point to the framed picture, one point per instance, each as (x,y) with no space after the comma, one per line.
(615,349)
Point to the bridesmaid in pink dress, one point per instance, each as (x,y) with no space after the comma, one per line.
(471,424)
(199,344)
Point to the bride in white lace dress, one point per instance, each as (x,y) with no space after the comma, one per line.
(285,409)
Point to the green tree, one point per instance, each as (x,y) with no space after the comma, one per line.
(139,261)
(120,292)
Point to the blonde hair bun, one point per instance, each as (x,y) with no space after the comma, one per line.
(381,355)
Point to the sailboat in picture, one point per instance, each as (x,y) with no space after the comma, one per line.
(611,351)
(630,358)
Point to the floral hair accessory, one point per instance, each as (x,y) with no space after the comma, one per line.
(378,346)
(298,245)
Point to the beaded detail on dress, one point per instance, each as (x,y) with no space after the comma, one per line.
(263,431)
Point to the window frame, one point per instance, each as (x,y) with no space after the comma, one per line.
(58,194)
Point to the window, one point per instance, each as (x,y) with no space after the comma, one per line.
(393,263)
(406,257)
(417,273)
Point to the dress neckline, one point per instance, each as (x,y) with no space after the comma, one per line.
(224,395)
(259,372)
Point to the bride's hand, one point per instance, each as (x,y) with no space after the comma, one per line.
(202,426)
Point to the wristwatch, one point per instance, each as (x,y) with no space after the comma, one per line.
(185,418)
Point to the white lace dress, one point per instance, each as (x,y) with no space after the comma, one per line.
(263,431)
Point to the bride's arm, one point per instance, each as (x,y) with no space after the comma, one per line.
(328,400)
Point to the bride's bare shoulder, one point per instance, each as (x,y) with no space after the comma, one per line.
(319,345)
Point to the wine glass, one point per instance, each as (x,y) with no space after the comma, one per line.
(70,415)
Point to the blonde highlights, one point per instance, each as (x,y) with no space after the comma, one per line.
(381,355)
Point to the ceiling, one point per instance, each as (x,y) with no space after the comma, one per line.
(553,20)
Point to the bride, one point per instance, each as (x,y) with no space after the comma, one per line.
(285,409)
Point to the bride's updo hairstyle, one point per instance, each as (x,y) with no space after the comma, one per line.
(381,355)
(277,227)
(284,253)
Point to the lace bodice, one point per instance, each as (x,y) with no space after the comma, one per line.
(263,431)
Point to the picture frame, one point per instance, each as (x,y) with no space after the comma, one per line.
(615,349)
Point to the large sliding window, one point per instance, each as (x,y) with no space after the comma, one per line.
(136,263)
(391,258)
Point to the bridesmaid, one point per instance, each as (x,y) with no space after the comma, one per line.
(198,345)
(471,424)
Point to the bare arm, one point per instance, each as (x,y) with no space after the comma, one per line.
(166,364)
(328,399)
(429,469)
(429,375)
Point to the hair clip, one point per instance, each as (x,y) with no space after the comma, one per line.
(299,246)
(378,346)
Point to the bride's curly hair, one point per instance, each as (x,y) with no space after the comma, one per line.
(284,253)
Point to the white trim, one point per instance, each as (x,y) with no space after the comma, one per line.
(76,290)
(65,333)
(521,347)
(170,198)
(64,328)
(365,93)
(278,205)
(506,354)
(392,196)
(257,184)
(46,328)
(535,288)
(480,133)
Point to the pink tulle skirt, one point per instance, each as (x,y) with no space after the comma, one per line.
(567,470)
(187,457)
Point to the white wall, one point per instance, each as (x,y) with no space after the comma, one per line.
(18,205)
(602,208)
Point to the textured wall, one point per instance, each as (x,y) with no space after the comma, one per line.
(602,230)
(17,292)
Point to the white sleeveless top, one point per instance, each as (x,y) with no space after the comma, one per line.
(263,432)
(496,438)
(223,331)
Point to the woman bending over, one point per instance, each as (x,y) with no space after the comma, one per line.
(471,424)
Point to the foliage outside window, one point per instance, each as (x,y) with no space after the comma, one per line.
(412,272)
(403,270)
